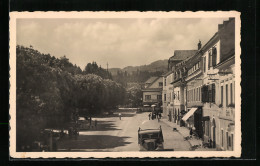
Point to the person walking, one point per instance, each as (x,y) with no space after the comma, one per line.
(149,116)
(191,132)
(119,116)
(96,124)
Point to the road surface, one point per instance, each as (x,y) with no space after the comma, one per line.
(115,135)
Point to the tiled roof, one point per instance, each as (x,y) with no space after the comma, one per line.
(182,54)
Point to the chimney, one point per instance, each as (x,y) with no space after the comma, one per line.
(220,26)
(199,45)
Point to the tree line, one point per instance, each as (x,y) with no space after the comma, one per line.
(49,91)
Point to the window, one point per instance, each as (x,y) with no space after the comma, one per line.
(231,94)
(164,97)
(222,138)
(213,93)
(234,94)
(210,93)
(227,95)
(221,99)
(147,97)
(214,56)
(227,139)
(160,84)
(209,59)
(204,64)
(194,94)
(165,81)
(159,97)
(178,96)
(232,141)
(199,94)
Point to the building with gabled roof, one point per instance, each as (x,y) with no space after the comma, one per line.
(152,91)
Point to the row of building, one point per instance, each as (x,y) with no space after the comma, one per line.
(198,91)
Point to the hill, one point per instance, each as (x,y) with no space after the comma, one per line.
(160,65)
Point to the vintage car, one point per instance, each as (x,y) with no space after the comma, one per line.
(150,139)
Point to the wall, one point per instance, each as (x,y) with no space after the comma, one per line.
(153,96)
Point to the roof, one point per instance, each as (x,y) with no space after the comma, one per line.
(149,131)
(168,73)
(151,89)
(151,79)
(182,54)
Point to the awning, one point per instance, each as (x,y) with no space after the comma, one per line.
(146,106)
(188,114)
(153,105)
(82,118)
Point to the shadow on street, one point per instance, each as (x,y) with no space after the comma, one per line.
(92,142)
(102,126)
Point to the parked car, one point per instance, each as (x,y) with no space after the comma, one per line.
(150,139)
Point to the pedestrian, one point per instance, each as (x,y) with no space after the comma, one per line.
(191,132)
(96,124)
(119,116)
(149,116)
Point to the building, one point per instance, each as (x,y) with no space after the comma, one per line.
(167,95)
(192,92)
(173,91)
(152,91)
(218,91)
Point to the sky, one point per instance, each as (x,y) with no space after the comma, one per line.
(120,42)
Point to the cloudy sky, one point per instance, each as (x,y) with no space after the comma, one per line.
(120,42)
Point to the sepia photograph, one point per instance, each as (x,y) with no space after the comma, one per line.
(125,84)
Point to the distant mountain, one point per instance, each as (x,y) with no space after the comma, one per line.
(160,65)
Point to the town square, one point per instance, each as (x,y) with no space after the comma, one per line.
(118,84)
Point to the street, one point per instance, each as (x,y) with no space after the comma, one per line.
(115,135)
